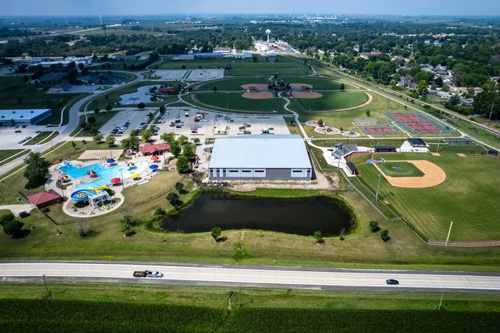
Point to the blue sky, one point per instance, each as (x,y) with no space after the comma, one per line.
(144,7)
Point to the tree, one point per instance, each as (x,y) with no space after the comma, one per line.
(182,139)
(37,169)
(215,233)
(179,186)
(73,144)
(131,142)
(110,140)
(188,152)
(342,87)
(162,109)
(319,237)
(91,120)
(174,200)
(97,110)
(196,140)
(98,138)
(374,226)
(214,89)
(12,227)
(422,87)
(385,235)
(367,113)
(175,148)
(320,122)
(182,164)
(109,107)
(141,105)
(146,134)
(168,137)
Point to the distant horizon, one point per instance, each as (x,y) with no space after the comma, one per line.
(449,8)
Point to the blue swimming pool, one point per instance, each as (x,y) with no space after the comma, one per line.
(104,173)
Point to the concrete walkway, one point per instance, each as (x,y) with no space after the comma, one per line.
(16,209)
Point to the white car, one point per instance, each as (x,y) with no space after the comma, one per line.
(157,274)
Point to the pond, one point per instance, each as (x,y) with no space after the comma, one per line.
(293,216)
(142,95)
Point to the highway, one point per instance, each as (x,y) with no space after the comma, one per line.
(256,277)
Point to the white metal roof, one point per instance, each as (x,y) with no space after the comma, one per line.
(21,114)
(260,151)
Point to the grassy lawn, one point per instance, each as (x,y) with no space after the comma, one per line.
(15,94)
(333,101)
(204,309)
(235,101)
(243,67)
(5,154)
(400,169)
(100,119)
(42,137)
(467,197)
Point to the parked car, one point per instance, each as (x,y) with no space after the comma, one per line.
(17,131)
(392,281)
(196,119)
(28,138)
(142,124)
(242,128)
(37,132)
(178,126)
(24,126)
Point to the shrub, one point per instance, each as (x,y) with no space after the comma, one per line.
(12,227)
(6,218)
(385,235)
(159,212)
(319,237)
(374,226)
(215,233)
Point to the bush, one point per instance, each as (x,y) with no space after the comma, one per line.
(215,233)
(385,235)
(6,218)
(174,200)
(319,237)
(159,212)
(374,226)
(12,227)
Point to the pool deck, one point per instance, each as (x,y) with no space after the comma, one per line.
(89,211)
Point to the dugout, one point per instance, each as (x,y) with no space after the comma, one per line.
(385,149)
(417,143)
(352,168)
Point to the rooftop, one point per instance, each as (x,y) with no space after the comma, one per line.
(21,114)
(260,151)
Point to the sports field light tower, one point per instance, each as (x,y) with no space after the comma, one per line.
(268,32)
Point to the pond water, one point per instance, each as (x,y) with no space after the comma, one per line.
(142,95)
(301,216)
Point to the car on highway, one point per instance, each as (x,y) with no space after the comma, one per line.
(147,273)
(392,281)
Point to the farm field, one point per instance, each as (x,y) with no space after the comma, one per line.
(242,67)
(205,309)
(467,197)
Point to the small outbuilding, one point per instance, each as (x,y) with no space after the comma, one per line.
(414,145)
(45,198)
(154,149)
(385,149)
(352,168)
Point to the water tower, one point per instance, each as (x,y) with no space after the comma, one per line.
(268,32)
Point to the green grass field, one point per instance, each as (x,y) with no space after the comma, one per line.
(468,197)
(230,84)
(15,94)
(121,307)
(100,119)
(407,169)
(42,137)
(4,154)
(243,67)
(235,101)
(333,101)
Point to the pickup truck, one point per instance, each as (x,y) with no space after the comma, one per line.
(148,274)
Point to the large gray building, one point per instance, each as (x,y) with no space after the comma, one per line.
(260,157)
(13,117)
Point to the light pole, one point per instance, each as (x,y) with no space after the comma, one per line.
(123,180)
(449,232)
(45,282)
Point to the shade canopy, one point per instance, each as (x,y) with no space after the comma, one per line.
(134,175)
(130,164)
(153,167)
(110,161)
(91,173)
(115,180)
(155,158)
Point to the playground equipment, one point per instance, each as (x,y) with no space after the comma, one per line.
(94,198)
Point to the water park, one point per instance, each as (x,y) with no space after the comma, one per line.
(95,187)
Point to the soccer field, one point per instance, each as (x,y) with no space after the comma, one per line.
(468,196)
(334,101)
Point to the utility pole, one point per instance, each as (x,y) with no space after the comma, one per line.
(439,141)
(449,232)
(47,288)
(441,301)
(491,112)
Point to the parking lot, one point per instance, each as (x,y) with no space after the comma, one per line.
(171,75)
(213,124)
(205,74)
(134,117)
(9,139)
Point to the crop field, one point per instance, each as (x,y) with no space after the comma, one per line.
(242,67)
(400,169)
(333,101)
(468,196)
(235,101)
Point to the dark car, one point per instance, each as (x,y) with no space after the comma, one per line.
(24,214)
(391,281)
